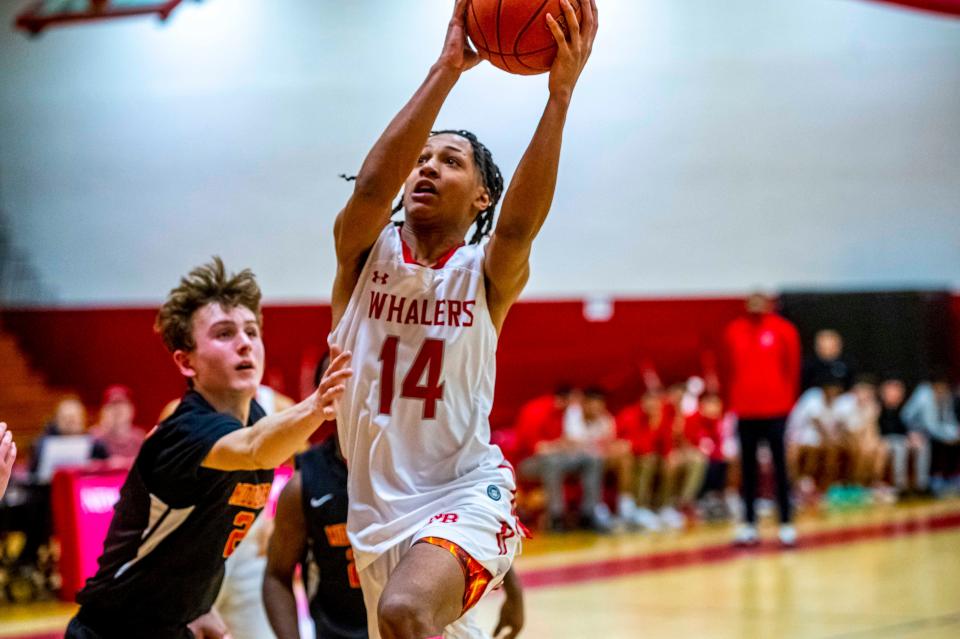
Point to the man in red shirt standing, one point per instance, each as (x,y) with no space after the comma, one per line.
(763,373)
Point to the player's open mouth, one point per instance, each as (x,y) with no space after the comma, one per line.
(245,366)
(424,187)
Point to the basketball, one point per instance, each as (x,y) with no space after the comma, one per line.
(513,34)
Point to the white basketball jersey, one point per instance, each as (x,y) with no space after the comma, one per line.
(413,423)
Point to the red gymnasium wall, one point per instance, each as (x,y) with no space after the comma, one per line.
(543,343)
(950,7)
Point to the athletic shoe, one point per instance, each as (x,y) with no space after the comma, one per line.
(646,519)
(672,518)
(746,535)
(626,507)
(600,520)
(788,535)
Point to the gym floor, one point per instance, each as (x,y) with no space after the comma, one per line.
(879,572)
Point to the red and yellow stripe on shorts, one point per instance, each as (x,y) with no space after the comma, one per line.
(476,577)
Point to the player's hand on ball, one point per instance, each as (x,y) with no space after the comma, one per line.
(573,47)
(333,383)
(457,55)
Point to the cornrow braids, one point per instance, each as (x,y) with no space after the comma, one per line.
(492,181)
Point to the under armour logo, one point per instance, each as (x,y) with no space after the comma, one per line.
(378,278)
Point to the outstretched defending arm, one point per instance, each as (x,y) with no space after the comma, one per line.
(276,438)
(528,200)
(392,158)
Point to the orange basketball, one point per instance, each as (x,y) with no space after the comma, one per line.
(513,34)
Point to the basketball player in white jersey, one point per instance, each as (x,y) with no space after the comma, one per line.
(431,520)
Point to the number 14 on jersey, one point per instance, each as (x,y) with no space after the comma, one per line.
(428,363)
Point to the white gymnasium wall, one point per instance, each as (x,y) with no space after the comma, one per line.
(712,146)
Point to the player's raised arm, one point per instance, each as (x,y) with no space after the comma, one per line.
(528,199)
(392,158)
(275,438)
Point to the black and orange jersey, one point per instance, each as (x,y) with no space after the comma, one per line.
(173,527)
(336,601)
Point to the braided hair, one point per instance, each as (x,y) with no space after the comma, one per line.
(492,181)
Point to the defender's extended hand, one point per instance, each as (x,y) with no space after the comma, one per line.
(333,383)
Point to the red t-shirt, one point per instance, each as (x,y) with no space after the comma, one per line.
(634,425)
(539,420)
(705,433)
(763,366)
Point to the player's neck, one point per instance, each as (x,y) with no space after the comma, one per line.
(229,402)
(430,243)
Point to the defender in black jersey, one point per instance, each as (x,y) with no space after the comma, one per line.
(311,532)
(203,474)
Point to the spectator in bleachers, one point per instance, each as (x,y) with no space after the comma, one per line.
(828,360)
(930,410)
(819,428)
(899,440)
(705,429)
(861,410)
(545,453)
(639,423)
(115,429)
(70,419)
(8,455)
(683,464)
(593,428)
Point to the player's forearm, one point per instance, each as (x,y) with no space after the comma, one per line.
(528,200)
(511,585)
(281,607)
(395,154)
(277,437)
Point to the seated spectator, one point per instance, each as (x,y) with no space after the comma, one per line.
(705,430)
(116,430)
(828,361)
(591,426)
(899,440)
(545,453)
(683,464)
(70,419)
(820,436)
(930,410)
(861,410)
(8,455)
(635,424)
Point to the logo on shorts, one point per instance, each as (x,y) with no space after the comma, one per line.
(493,492)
